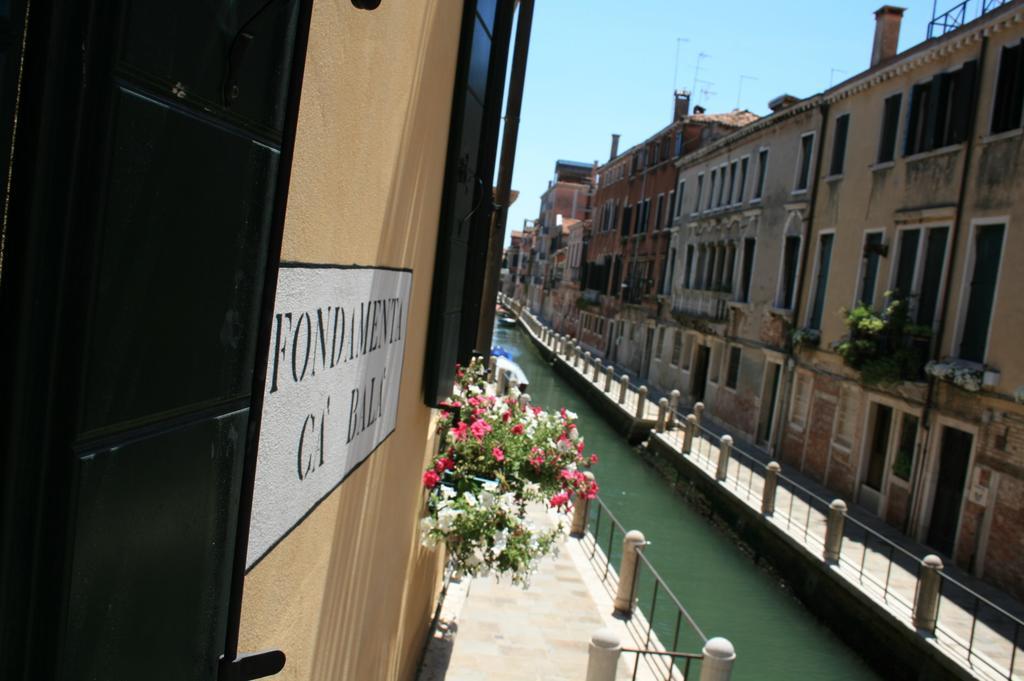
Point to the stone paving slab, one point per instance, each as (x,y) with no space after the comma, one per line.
(491,630)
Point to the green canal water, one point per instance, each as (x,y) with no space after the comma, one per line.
(720,586)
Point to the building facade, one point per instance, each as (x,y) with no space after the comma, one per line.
(915,228)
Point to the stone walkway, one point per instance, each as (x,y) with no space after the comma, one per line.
(494,631)
(879,561)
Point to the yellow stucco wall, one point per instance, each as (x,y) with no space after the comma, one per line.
(349,593)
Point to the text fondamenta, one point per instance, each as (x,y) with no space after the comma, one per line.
(333,372)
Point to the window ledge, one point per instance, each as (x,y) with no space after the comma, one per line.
(795,192)
(755,201)
(834,178)
(841,446)
(884,165)
(941,151)
(781,311)
(999,136)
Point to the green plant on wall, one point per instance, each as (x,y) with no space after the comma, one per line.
(882,344)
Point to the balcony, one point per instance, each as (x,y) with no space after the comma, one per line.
(709,305)
(961,14)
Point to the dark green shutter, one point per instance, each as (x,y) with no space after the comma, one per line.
(466,201)
(909,241)
(821,284)
(988,246)
(934,259)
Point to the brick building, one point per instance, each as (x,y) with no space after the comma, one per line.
(629,249)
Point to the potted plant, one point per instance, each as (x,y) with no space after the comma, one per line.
(497,457)
(883,345)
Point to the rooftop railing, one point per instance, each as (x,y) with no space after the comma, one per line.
(964,12)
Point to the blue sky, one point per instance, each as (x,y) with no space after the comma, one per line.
(598,67)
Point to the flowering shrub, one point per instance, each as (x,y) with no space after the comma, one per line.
(497,456)
(807,336)
(961,374)
(883,345)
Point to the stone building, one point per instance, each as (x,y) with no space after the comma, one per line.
(197,196)
(628,254)
(740,218)
(915,203)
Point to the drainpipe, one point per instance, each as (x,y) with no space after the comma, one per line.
(787,375)
(954,242)
(492,272)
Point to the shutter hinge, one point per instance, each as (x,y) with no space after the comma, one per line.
(251,666)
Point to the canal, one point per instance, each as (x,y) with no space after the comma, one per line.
(720,585)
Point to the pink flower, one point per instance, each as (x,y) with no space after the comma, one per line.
(444,464)
(560,499)
(506,417)
(480,428)
(593,459)
(579,447)
(459,431)
(475,401)
(537,411)
(430,479)
(517,429)
(498,455)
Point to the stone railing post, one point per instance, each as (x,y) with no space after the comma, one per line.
(698,411)
(524,400)
(719,656)
(771,484)
(580,510)
(623,388)
(673,408)
(724,450)
(603,656)
(609,373)
(501,382)
(691,428)
(598,365)
(586,362)
(577,355)
(492,363)
(834,530)
(926,605)
(641,401)
(625,601)
(659,425)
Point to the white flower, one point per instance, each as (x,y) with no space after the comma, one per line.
(448,492)
(571,415)
(470,499)
(446,517)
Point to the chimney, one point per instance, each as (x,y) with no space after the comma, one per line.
(682,105)
(887,34)
(615,147)
(782,102)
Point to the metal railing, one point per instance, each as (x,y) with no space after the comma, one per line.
(602,541)
(987,634)
(868,553)
(671,668)
(713,305)
(960,14)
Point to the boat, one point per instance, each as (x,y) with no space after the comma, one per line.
(514,372)
(503,316)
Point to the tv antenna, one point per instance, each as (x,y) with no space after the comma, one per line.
(832,75)
(739,90)
(696,70)
(675,73)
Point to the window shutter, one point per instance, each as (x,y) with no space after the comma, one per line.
(466,200)
(963,103)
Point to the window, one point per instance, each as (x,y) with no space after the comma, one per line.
(733,167)
(660,206)
(821,281)
(716,362)
(845,419)
(940,110)
(748,269)
(744,162)
(711,192)
(732,373)
(919,274)
(790,263)
(679,143)
(721,187)
(700,190)
(1009,101)
(803,174)
(873,251)
(661,343)
(680,196)
(839,145)
(890,123)
(627,216)
(689,266)
(762,173)
(687,351)
(730,267)
(903,462)
(646,215)
(988,246)
(677,348)
(670,210)
(801,400)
